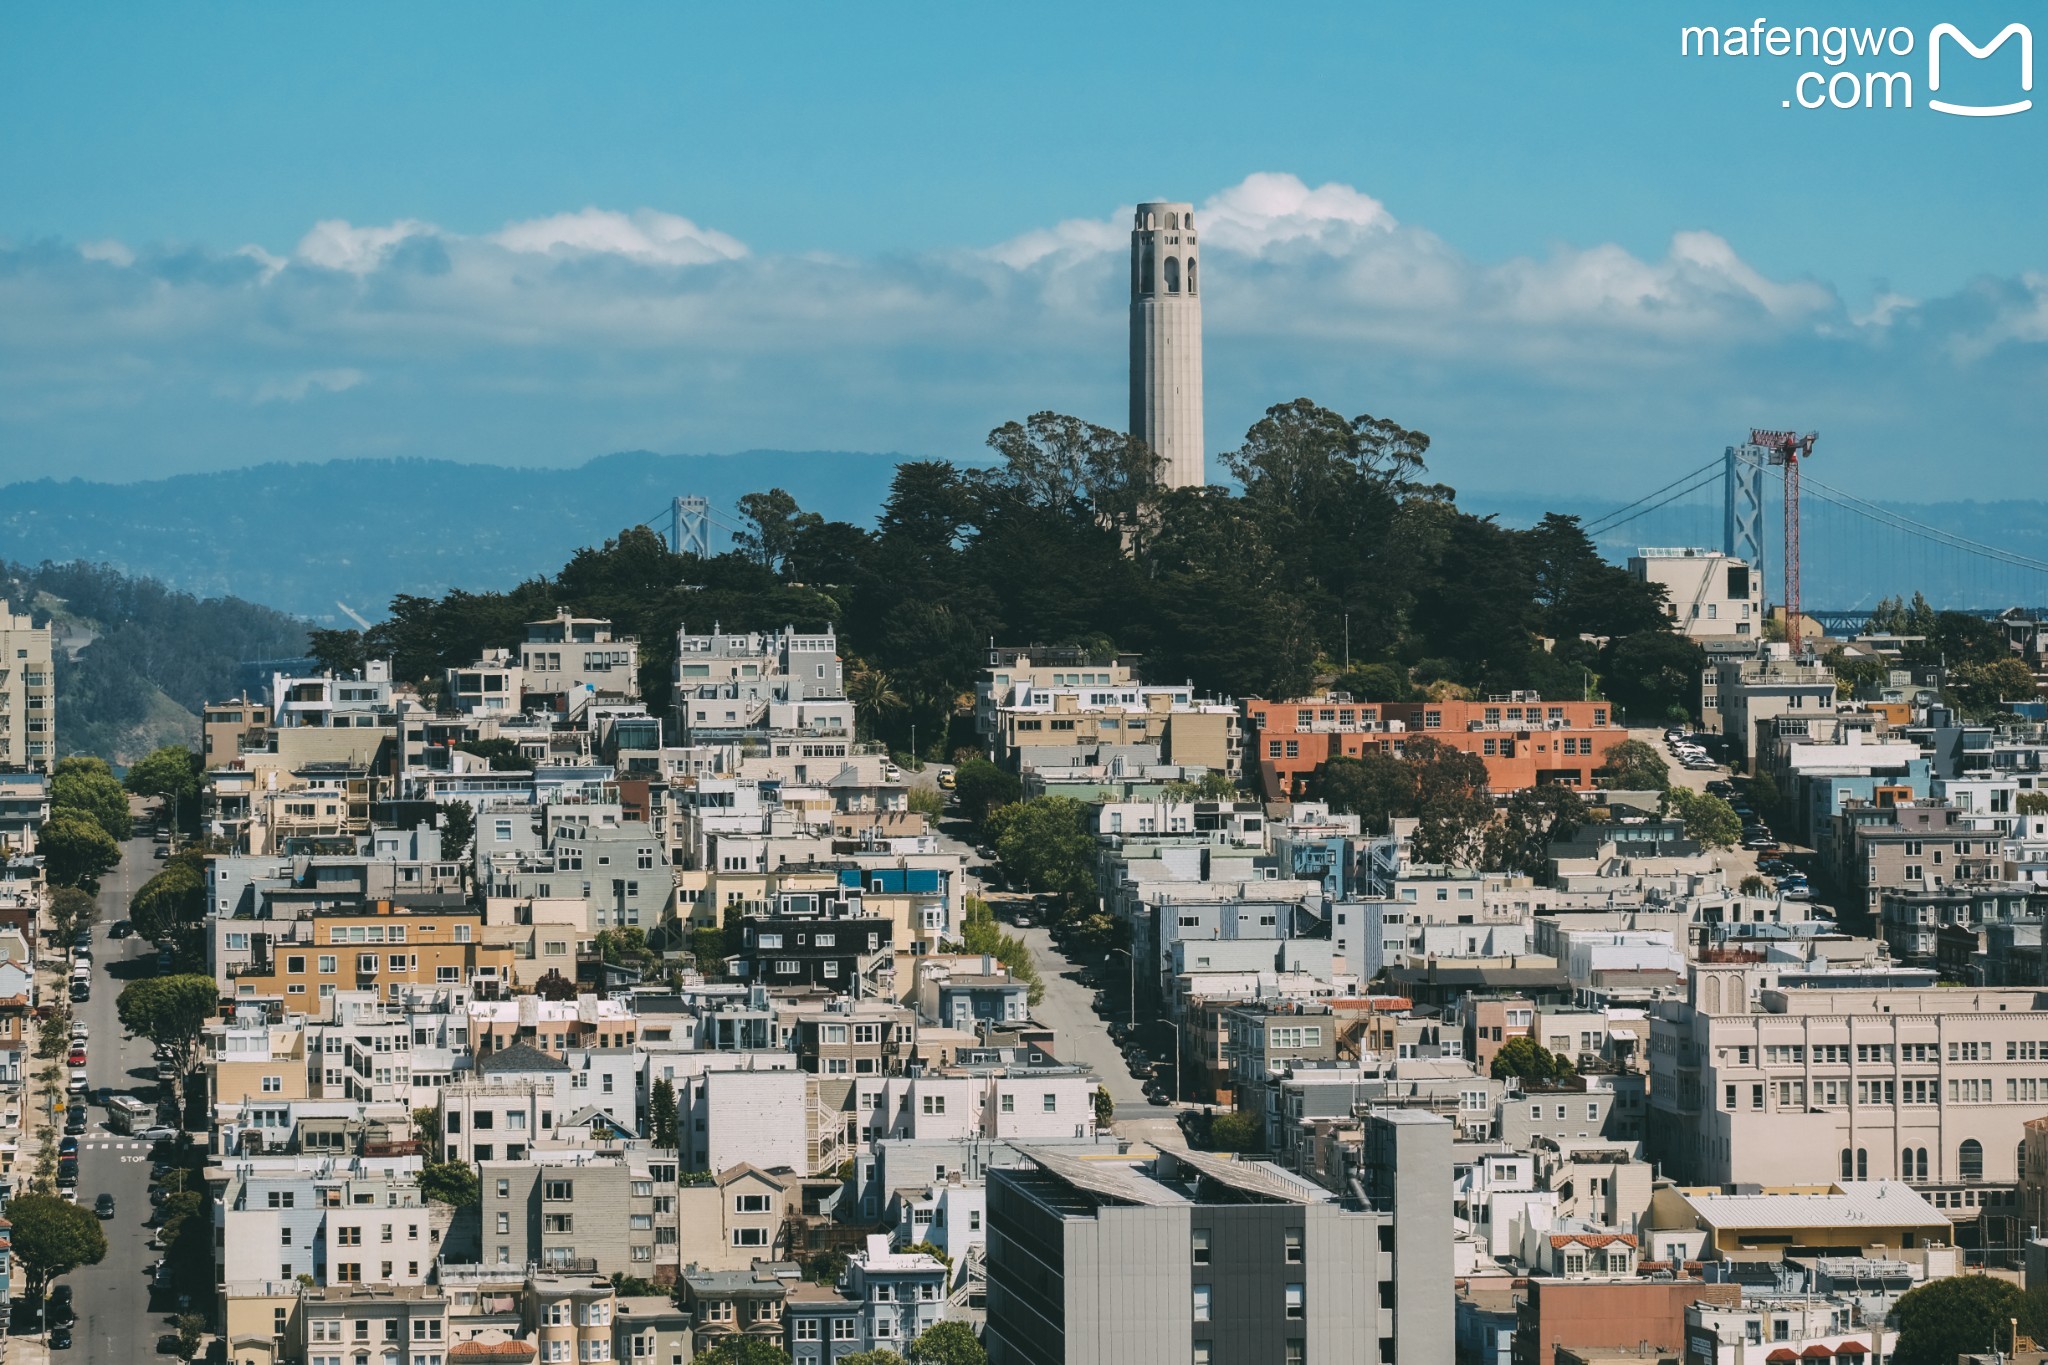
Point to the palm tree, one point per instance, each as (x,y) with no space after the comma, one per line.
(874,696)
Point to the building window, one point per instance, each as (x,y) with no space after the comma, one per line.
(1970,1160)
(1199,1253)
(1293,1250)
(1201,1303)
(1297,1302)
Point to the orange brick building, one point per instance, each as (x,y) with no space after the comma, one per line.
(1522,739)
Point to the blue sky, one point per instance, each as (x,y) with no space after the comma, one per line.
(533,234)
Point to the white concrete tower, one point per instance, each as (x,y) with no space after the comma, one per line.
(1166,341)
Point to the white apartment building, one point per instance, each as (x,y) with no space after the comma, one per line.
(570,659)
(360,700)
(788,681)
(28,692)
(1708,595)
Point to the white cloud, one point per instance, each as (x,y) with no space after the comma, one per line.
(644,235)
(561,335)
(297,387)
(339,245)
(1267,209)
(111,252)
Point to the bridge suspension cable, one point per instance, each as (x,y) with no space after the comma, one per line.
(1694,480)
(1898,521)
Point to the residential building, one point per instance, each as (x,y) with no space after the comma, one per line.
(1755,692)
(1785,1087)
(725,1303)
(1522,738)
(228,729)
(384,947)
(1033,723)
(1707,594)
(1042,669)
(339,1323)
(28,695)
(1198,1258)
(901,1293)
(1558,1320)
(743,1215)
(568,661)
(754,684)
(580,1209)
(649,1329)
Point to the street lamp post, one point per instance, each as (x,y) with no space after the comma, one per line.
(1132,959)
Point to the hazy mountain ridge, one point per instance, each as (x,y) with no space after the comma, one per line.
(299,537)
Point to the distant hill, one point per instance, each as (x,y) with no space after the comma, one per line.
(1849,561)
(135,660)
(299,537)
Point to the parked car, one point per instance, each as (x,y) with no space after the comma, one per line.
(74,1119)
(79,1031)
(60,1337)
(67,1172)
(60,1304)
(79,1083)
(77,1054)
(67,1146)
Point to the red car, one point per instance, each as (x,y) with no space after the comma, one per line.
(77,1056)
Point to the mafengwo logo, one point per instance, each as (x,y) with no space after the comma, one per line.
(1874,68)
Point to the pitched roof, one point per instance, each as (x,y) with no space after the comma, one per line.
(517,1058)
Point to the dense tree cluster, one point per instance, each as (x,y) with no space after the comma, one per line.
(1335,549)
(147,639)
(1981,671)
(88,819)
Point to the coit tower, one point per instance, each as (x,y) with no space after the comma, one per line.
(1166,341)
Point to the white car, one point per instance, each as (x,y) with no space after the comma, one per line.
(162,1132)
(79,1084)
(79,1032)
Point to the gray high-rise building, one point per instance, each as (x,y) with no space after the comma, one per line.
(1195,1259)
(1166,340)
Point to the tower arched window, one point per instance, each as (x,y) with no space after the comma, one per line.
(1905,1163)
(1187,220)
(1191,274)
(1970,1159)
(1862,1163)
(1148,282)
(1173,274)
(1151,222)
(1922,1163)
(1172,222)
(1848,1167)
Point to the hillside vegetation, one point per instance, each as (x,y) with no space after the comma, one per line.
(1339,560)
(136,660)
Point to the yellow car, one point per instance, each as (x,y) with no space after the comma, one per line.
(946,780)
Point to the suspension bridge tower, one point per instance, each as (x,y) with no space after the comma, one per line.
(690,526)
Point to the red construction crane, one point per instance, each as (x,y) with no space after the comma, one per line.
(1788,448)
